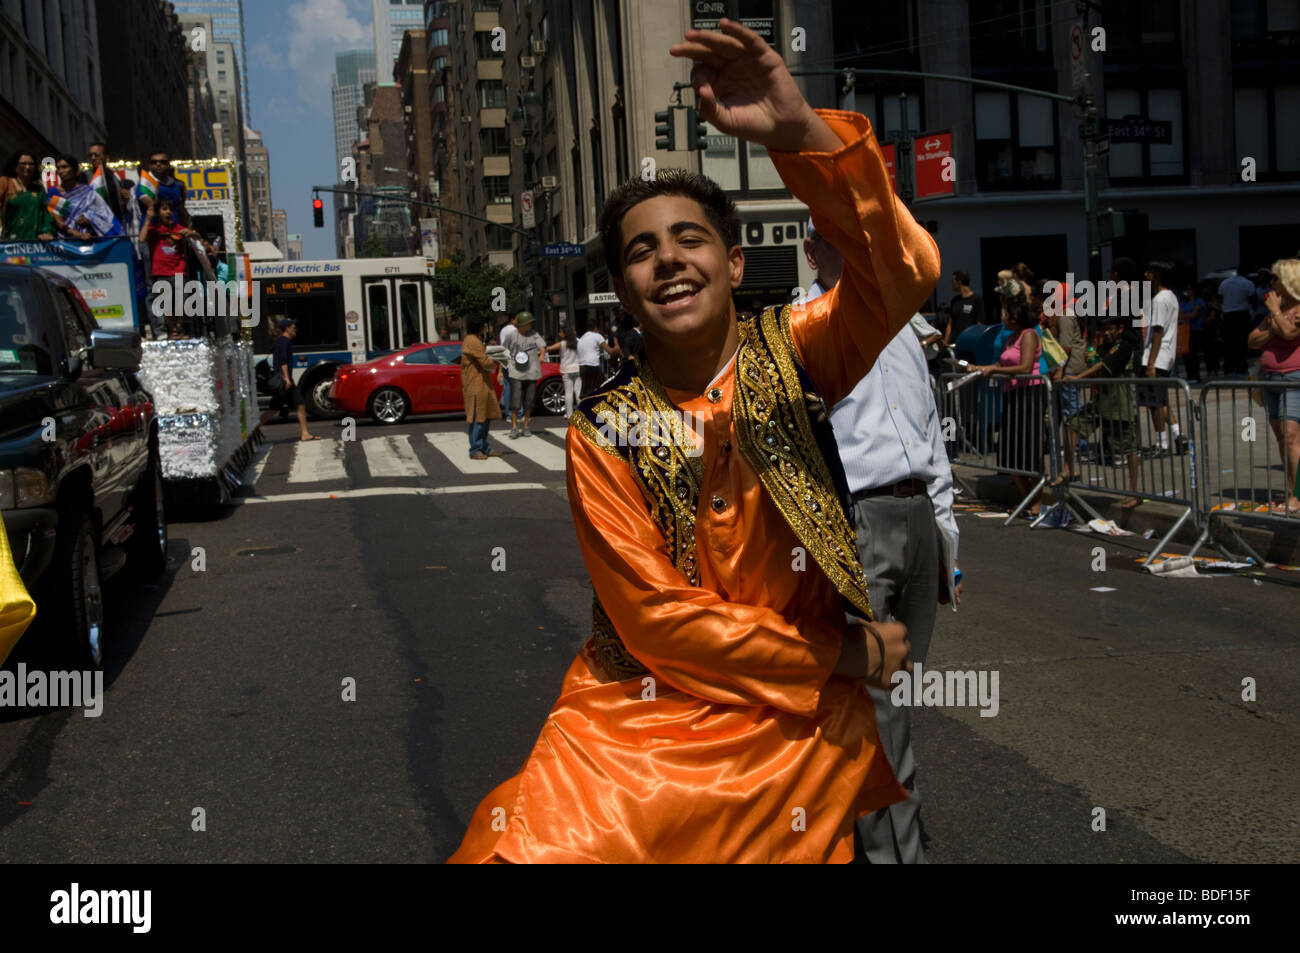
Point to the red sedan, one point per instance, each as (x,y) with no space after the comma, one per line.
(422,379)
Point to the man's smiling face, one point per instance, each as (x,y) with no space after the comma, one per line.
(678,274)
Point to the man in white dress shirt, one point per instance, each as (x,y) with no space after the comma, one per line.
(891,446)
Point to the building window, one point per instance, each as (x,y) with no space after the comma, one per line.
(496,189)
(1010,28)
(1015,141)
(498,239)
(221,57)
(494,142)
(1138,160)
(491,94)
(1146,28)
(1262,133)
(438,38)
(221,76)
(483,47)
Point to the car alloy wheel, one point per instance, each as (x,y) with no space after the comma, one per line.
(388,406)
(320,394)
(553,396)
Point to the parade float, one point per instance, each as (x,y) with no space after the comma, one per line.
(203,386)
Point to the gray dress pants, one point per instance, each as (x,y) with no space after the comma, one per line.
(898,542)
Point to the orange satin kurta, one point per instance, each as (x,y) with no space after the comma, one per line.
(750,749)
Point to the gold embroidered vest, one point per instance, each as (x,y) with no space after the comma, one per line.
(783,430)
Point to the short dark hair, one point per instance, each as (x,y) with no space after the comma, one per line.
(1125,268)
(1022,314)
(1162,269)
(718,208)
(1109,320)
(474,324)
(962,276)
(165,202)
(101,144)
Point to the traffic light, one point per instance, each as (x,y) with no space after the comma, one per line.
(665,134)
(696,131)
(318,213)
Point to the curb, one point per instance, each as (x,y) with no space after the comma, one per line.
(1277,544)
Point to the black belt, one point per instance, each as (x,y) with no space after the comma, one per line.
(902,489)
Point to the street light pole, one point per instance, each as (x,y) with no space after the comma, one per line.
(523,112)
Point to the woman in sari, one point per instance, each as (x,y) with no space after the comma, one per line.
(22,202)
(77,209)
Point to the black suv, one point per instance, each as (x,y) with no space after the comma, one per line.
(81,490)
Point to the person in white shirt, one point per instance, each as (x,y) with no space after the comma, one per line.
(1158,356)
(506,339)
(891,447)
(569,365)
(590,346)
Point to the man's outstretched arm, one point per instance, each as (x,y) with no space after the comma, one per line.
(830,160)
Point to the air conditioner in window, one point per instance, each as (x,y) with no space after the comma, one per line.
(467,118)
(527,62)
(539,47)
(407,110)
(550,182)
(517,141)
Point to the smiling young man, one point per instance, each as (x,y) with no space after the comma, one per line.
(719,711)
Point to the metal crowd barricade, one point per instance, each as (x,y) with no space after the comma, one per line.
(1124,453)
(1244,472)
(996,431)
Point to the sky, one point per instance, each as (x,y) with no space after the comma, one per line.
(290,58)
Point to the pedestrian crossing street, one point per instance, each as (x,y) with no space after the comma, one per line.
(440,459)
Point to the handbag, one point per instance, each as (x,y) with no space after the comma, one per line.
(17,608)
(275,383)
(1052,350)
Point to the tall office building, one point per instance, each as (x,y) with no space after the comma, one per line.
(257,223)
(227,26)
(353,69)
(392,18)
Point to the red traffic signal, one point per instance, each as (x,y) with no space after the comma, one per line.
(318,213)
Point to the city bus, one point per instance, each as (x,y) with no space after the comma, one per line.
(348,311)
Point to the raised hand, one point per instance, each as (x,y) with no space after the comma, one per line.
(744,89)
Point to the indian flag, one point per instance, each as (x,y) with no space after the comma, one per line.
(148,187)
(98,184)
(57,205)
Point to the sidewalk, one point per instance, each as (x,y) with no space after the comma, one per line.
(1277,544)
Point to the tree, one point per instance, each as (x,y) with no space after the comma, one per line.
(472,289)
(373,248)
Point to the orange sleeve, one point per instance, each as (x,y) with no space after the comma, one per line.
(685,635)
(891,263)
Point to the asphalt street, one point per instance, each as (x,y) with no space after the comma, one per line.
(456,600)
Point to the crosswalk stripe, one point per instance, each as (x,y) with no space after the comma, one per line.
(455,447)
(255,467)
(542,452)
(561,432)
(392,456)
(387,491)
(317,461)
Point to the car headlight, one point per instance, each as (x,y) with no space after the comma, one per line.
(23,487)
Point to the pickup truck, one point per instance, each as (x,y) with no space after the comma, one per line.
(81,491)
